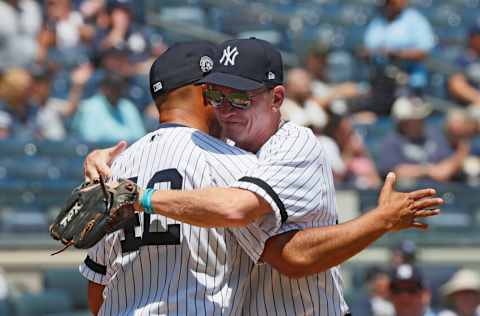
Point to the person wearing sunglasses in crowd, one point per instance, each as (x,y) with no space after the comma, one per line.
(283,207)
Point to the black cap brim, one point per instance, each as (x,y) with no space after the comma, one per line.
(231,81)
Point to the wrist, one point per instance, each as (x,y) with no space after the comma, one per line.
(146,200)
(138,206)
(383,218)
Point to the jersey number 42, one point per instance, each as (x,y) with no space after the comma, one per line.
(169,237)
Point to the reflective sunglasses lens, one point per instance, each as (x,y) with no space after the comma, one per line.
(214,97)
(239,100)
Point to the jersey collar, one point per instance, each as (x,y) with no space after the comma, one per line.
(168,125)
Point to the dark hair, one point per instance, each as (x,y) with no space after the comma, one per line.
(333,122)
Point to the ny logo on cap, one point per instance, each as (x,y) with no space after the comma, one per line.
(229,56)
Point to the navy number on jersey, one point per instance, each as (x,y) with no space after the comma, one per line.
(169,237)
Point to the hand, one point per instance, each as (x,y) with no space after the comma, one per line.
(81,74)
(98,162)
(403,209)
(346,90)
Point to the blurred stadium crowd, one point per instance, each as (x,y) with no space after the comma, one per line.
(386,85)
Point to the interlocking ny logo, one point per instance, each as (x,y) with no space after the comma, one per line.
(229,56)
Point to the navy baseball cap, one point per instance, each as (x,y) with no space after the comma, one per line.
(246,64)
(406,275)
(180,65)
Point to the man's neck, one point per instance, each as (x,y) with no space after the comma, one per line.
(180,117)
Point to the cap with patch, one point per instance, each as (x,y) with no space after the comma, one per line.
(182,64)
(246,64)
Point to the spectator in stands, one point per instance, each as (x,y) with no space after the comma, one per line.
(53,112)
(465,84)
(376,301)
(409,293)
(95,16)
(396,43)
(5,124)
(299,106)
(107,116)
(463,292)
(404,252)
(15,92)
(324,92)
(62,31)
(350,160)
(123,31)
(20,21)
(414,151)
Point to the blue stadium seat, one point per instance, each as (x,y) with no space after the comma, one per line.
(41,304)
(23,221)
(272,36)
(69,281)
(5,307)
(187,14)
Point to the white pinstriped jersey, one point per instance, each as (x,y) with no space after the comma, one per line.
(165,267)
(295,178)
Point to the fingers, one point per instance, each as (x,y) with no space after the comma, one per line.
(89,171)
(419,225)
(96,164)
(427,213)
(113,152)
(98,161)
(389,185)
(428,203)
(420,194)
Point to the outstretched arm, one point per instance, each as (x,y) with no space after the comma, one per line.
(313,250)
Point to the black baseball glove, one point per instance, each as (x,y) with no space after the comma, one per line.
(94,210)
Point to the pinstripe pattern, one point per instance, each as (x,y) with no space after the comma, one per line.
(293,164)
(196,276)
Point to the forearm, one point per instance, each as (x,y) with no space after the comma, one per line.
(73,100)
(213,207)
(314,250)
(460,88)
(95,296)
(411,171)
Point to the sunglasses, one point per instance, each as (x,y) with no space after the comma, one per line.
(239,100)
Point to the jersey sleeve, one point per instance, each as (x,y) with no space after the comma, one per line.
(293,176)
(94,267)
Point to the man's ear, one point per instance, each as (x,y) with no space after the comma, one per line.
(278,96)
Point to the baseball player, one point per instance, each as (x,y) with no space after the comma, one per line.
(290,188)
(160,266)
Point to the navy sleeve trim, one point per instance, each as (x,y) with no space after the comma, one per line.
(267,188)
(95,266)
